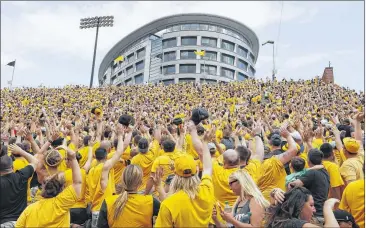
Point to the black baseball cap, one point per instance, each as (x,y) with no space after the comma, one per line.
(126,120)
(276,140)
(343,216)
(198,115)
(168,145)
(143,145)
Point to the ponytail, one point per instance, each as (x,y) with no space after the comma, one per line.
(120,203)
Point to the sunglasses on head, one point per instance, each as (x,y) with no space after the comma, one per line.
(232,182)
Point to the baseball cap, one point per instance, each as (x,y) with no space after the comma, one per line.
(185,166)
(198,115)
(5,163)
(97,111)
(169,179)
(276,140)
(211,146)
(143,145)
(342,216)
(126,120)
(168,145)
(351,145)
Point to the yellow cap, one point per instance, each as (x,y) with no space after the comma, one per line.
(351,145)
(185,166)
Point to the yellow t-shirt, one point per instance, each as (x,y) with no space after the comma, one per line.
(220,180)
(334,174)
(84,155)
(254,169)
(189,147)
(351,169)
(95,193)
(317,142)
(81,203)
(137,211)
(20,163)
(118,167)
(167,162)
(179,210)
(274,176)
(353,201)
(145,161)
(51,212)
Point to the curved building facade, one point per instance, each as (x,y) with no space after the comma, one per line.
(164,51)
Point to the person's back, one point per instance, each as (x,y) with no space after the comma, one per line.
(50,212)
(13,199)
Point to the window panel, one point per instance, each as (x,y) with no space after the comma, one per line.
(139,79)
(227,59)
(208,69)
(227,72)
(242,51)
(227,45)
(168,82)
(212,28)
(169,43)
(176,28)
(131,58)
(187,55)
(140,65)
(251,57)
(210,42)
(189,41)
(186,27)
(141,53)
(242,77)
(187,68)
(169,56)
(210,55)
(242,64)
(195,27)
(129,70)
(169,69)
(203,27)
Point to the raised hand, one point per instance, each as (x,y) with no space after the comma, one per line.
(15,149)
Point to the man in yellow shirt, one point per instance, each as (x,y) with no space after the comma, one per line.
(351,169)
(353,201)
(191,201)
(336,181)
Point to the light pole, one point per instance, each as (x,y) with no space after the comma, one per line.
(92,22)
(274,68)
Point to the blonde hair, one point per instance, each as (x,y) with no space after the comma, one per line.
(188,184)
(131,180)
(248,187)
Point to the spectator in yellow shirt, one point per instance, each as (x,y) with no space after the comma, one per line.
(53,209)
(351,169)
(191,200)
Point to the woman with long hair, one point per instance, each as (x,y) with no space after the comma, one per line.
(129,208)
(52,210)
(295,208)
(249,208)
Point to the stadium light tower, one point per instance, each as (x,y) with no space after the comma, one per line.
(274,68)
(96,22)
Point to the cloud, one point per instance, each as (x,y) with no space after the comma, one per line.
(345,52)
(310,16)
(304,60)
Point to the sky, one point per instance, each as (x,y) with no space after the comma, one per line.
(50,49)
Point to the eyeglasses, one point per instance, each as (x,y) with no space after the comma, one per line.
(232,182)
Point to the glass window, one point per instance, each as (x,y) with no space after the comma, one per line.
(129,70)
(113,79)
(120,73)
(210,42)
(203,27)
(119,84)
(210,55)
(242,51)
(187,54)
(212,28)
(139,79)
(140,65)
(168,82)
(219,29)
(242,77)
(176,28)
(104,77)
(172,42)
(195,27)
(186,80)
(169,56)
(128,81)
(251,57)
(141,53)
(169,69)
(227,59)
(186,27)
(227,72)
(191,40)
(227,45)
(252,71)
(187,68)
(130,58)
(208,69)
(242,64)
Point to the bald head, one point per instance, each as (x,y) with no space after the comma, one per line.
(105,144)
(231,158)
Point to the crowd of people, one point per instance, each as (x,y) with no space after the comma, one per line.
(243,154)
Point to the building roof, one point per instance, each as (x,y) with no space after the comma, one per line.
(164,22)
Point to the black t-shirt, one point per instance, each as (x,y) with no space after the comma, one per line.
(318,183)
(14,193)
